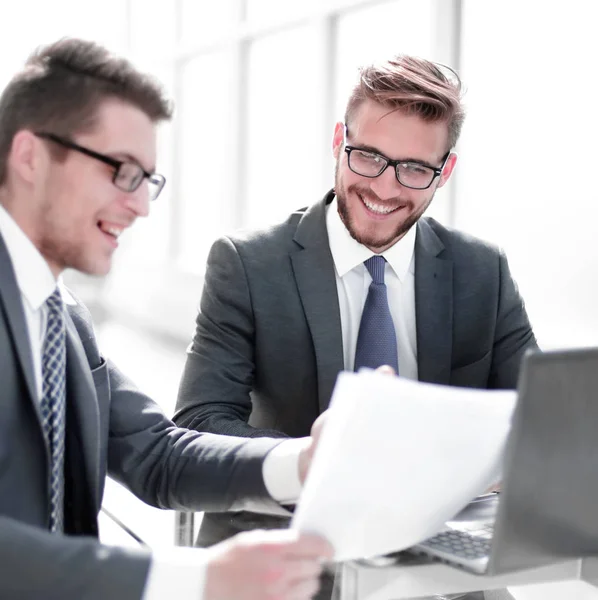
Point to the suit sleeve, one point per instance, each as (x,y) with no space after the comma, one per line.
(175,468)
(37,564)
(214,394)
(513,336)
(167,466)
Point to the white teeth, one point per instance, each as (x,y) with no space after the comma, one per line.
(113,231)
(377,208)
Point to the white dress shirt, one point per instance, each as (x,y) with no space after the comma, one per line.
(36,283)
(173,570)
(353,282)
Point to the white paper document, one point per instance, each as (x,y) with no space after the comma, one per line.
(398,458)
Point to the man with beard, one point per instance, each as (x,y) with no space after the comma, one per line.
(358,279)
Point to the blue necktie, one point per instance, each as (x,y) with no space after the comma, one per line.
(377,340)
(53,404)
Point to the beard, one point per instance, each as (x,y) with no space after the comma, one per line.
(371,238)
(63,247)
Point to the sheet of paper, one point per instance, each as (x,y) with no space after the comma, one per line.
(398,458)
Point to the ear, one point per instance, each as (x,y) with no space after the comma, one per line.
(338,139)
(24,156)
(451,161)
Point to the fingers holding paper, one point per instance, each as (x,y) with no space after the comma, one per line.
(259,565)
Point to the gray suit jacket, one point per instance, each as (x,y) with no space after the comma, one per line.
(112,428)
(268,343)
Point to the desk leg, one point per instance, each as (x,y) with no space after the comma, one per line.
(183,528)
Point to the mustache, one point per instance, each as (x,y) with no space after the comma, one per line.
(371,196)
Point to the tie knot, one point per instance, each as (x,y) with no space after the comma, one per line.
(375,266)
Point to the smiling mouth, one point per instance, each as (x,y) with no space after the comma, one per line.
(378,209)
(111,230)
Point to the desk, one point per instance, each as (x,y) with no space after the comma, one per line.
(361,582)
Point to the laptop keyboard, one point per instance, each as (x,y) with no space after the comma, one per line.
(470,543)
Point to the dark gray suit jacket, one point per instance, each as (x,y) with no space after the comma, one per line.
(111,428)
(268,343)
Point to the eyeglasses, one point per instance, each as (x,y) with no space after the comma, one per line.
(411,174)
(128,175)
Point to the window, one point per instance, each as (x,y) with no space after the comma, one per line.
(206,154)
(283,125)
(258,86)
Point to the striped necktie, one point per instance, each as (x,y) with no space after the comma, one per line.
(53,404)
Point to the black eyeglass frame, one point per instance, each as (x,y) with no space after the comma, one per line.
(395,163)
(155,178)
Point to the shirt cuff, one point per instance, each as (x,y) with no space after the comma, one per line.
(281,470)
(177,569)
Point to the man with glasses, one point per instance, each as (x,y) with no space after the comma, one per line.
(128,175)
(77,155)
(358,279)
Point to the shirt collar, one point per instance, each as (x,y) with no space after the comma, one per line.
(34,277)
(347,253)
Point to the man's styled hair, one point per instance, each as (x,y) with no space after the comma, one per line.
(415,86)
(62,86)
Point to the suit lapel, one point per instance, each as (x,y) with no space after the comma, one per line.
(80,389)
(81,397)
(314,273)
(433,307)
(10,297)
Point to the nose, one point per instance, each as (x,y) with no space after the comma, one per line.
(138,201)
(386,186)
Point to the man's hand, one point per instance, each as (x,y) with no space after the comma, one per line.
(263,565)
(307,453)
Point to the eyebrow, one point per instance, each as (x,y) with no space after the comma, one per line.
(375,150)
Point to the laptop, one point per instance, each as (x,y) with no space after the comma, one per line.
(547,510)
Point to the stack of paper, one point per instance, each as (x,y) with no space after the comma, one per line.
(398,458)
